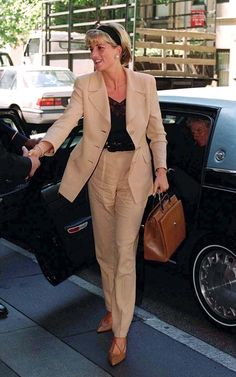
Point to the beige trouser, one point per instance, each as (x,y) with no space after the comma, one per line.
(116,222)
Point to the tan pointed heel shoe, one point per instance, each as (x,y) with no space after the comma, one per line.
(105,324)
(117,357)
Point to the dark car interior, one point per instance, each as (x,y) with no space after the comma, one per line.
(185,159)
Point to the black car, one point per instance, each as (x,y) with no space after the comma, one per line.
(207,255)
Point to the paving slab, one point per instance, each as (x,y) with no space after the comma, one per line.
(51,331)
(14,321)
(6,372)
(150,354)
(14,265)
(65,309)
(34,352)
(26,348)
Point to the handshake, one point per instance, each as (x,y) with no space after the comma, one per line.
(34,152)
(35,163)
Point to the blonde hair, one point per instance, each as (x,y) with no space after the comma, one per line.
(93,34)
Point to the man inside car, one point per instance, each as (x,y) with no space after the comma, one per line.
(14,165)
(185,177)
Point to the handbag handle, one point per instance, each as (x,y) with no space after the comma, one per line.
(161,199)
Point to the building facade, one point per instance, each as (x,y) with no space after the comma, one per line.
(226,42)
(216,17)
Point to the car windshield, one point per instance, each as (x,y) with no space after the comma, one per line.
(48,78)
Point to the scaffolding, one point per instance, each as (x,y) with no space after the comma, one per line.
(172,41)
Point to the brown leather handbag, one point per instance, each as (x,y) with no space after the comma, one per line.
(164,229)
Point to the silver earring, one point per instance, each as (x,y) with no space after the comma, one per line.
(117,56)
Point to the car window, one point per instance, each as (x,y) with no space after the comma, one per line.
(186,132)
(7,79)
(74,45)
(5,60)
(14,83)
(48,78)
(33,46)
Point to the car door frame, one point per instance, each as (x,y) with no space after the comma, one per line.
(183,254)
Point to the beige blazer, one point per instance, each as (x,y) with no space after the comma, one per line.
(143,119)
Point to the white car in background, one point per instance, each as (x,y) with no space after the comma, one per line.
(39,94)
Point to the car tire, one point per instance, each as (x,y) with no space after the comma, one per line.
(18,111)
(214,281)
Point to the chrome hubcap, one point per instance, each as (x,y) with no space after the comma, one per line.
(217,281)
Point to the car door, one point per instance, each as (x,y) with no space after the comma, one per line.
(11,192)
(65,240)
(34,215)
(185,174)
(219,186)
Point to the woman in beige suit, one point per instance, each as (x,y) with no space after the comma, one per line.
(120,111)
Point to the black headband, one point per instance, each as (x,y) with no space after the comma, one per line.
(111,32)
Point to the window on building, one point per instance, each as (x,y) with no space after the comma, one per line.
(222,67)
(198,2)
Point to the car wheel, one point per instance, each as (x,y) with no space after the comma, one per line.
(18,111)
(214,281)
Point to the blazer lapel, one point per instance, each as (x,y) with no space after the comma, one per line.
(98,96)
(135,98)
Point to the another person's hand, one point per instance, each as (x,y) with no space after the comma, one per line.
(30,143)
(35,163)
(161,183)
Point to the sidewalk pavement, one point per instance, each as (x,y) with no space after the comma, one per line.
(51,332)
